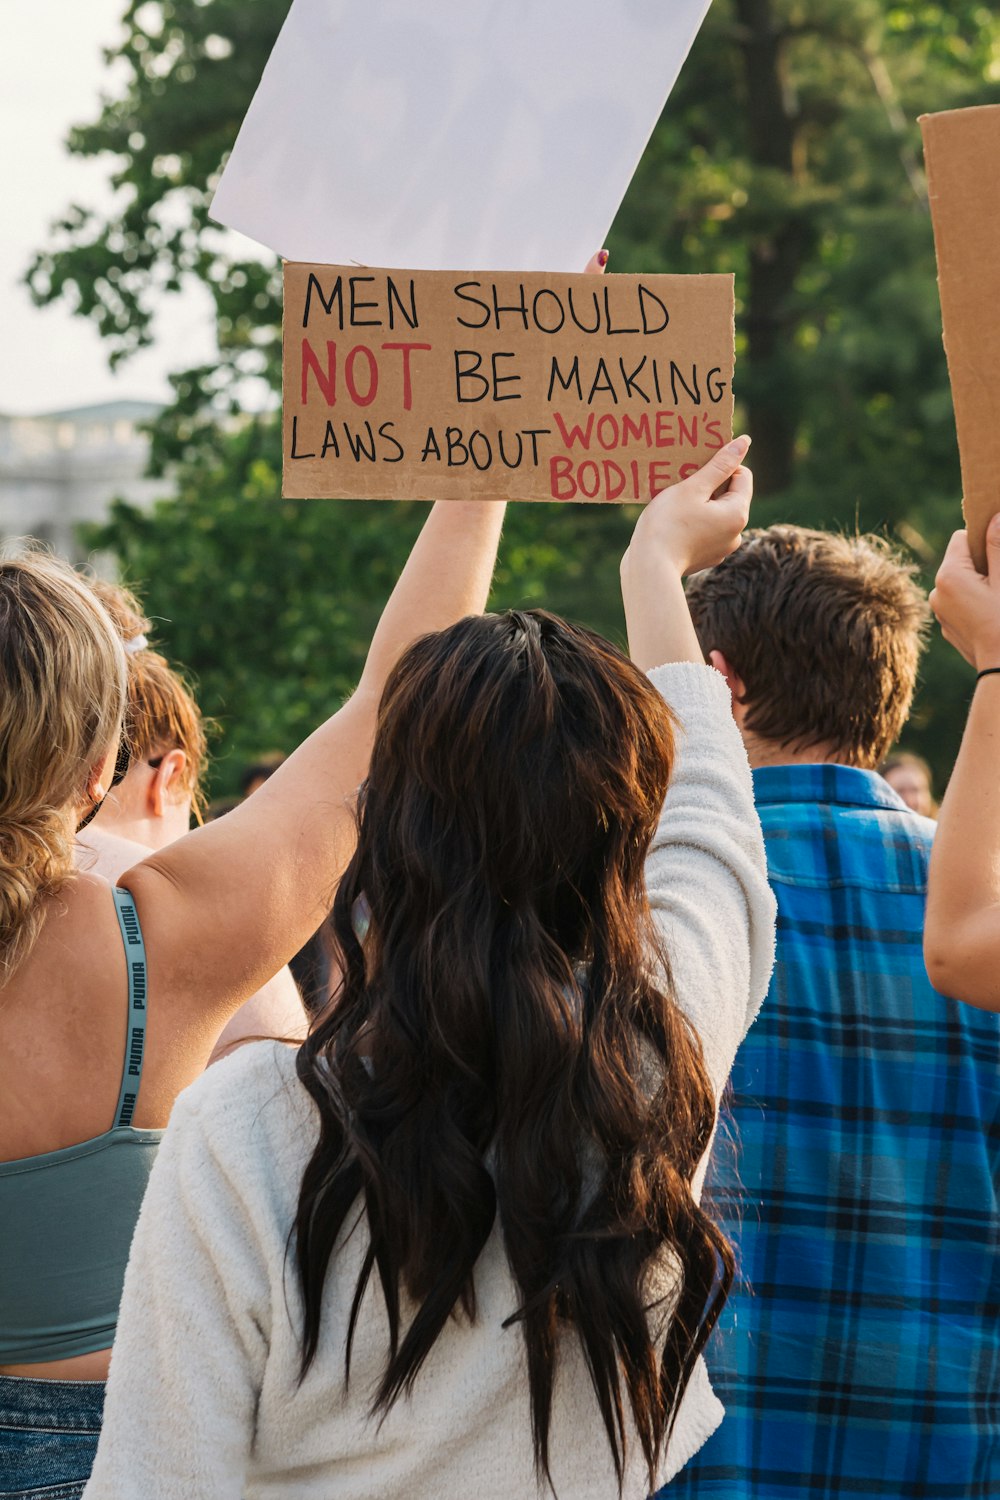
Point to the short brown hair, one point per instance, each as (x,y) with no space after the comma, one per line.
(826,632)
(162,712)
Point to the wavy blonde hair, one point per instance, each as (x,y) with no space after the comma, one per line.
(62,699)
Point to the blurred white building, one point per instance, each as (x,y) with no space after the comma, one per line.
(63,467)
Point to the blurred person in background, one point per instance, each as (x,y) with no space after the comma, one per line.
(311,967)
(860,1353)
(253,776)
(910,778)
(219,806)
(962,936)
(160,794)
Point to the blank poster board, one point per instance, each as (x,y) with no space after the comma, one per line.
(430,133)
(962,152)
(464,384)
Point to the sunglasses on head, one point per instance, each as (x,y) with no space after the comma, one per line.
(122,762)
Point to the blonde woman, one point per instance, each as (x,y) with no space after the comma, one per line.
(112,1000)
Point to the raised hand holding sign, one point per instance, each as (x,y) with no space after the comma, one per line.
(458,384)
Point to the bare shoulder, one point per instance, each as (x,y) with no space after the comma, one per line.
(79,947)
(62,1025)
(107,854)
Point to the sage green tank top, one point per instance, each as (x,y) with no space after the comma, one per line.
(67,1217)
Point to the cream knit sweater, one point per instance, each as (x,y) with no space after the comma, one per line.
(203,1400)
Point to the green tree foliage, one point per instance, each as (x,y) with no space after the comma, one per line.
(789,153)
(272,602)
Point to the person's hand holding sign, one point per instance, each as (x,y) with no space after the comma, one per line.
(966,603)
(597,263)
(513,385)
(691,525)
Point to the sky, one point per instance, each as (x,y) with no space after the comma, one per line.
(52,75)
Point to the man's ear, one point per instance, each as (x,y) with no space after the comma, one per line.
(167,781)
(733,679)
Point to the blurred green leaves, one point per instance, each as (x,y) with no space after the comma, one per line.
(788,153)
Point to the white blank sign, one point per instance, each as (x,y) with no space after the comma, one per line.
(499,134)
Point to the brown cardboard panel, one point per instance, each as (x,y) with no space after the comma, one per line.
(962,151)
(462,384)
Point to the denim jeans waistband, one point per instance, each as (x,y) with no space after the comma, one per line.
(51,1405)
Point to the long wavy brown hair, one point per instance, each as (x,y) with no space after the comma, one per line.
(503,1046)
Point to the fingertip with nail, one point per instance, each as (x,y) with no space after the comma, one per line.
(602,257)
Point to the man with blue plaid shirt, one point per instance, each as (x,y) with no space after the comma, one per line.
(860,1355)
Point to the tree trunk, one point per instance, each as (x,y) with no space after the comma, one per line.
(775,258)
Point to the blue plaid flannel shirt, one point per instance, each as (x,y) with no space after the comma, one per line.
(861,1356)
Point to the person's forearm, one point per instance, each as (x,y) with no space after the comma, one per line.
(656,611)
(447,576)
(289,843)
(962,933)
(691,525)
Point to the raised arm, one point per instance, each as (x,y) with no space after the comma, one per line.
(692,525)
(706,872)
(962,929)
(275,1010)
(224,907)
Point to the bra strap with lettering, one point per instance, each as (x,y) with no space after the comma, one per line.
(135,1036)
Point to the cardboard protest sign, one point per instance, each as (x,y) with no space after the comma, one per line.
(962,151)
(465,384)
(492,133)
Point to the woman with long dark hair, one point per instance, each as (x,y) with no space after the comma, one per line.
(454,1245)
